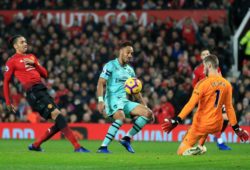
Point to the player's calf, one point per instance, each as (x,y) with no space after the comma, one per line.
(224,126)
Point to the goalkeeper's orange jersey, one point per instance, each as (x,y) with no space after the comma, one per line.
(210,94)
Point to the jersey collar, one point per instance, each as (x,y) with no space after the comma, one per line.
(118,63)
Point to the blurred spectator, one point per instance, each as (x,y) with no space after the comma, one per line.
(15,96)
(165,55)
(188,28)
(33,117)
(113,4)
(164,110)
(245,41)
(149,4)
(121,5)
(22,109)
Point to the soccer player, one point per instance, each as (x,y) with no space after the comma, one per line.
(115,104)
(28,71)
(211,94)
(197,76)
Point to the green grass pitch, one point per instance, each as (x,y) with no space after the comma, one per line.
(149,155)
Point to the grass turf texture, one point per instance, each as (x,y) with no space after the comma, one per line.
(149,155)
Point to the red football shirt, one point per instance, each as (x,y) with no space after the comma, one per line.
(28,75)
(199,74)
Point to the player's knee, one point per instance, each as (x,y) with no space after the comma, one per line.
(119,115)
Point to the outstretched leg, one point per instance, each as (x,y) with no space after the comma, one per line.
(144,115)
(115,126)
(187,146)
(60,125)
(46,136)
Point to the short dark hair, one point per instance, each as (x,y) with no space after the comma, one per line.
(12,40)
(125,44)
(213,59)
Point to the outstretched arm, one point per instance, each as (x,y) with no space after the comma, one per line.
(100,87)
(9,70)
(190,105)
(170,124)
(229,107)
(243,134)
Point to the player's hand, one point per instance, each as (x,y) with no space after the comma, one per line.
(243,135)
(170,124)
(28,61)
(11,109)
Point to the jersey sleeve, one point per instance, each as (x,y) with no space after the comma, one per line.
(196,95)
(229,106)
(9,70)
(106,71)
(195,78)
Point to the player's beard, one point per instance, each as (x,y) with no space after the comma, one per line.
(125,60)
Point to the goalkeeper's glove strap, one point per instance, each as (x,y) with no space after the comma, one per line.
(236,127)
(178,120)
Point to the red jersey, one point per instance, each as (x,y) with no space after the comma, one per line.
(199,74)
(188,33)
(28,75)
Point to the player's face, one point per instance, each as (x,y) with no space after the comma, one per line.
(21,45)
(204,54)
(126,54)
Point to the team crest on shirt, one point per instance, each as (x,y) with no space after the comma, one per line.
(32,57)
(50,106)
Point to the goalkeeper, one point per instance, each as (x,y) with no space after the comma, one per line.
(211,94)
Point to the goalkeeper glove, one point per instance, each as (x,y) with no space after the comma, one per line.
(243,135)
(170,124)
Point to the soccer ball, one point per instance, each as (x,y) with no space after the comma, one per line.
(133,85)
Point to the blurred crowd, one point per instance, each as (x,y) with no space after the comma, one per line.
(166,53)
(114,4)
(236,9)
